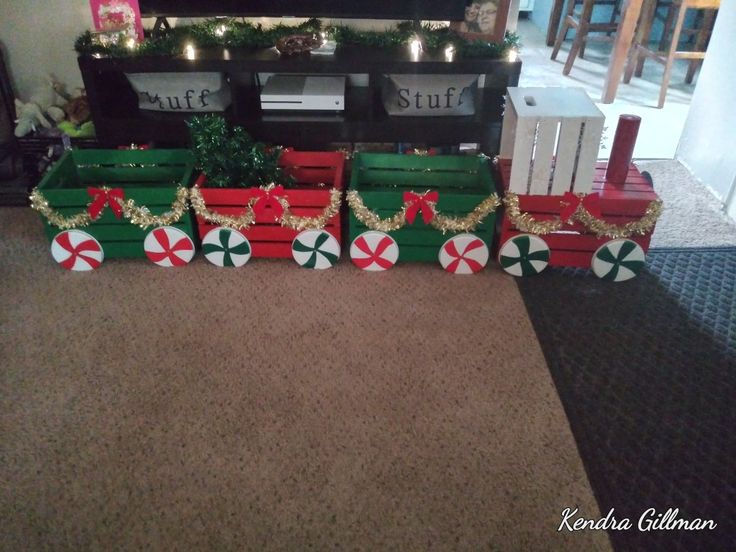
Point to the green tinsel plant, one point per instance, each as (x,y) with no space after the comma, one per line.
(229,32)
(231,158)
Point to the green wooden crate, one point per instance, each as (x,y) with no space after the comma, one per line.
(149,177)
(462,182)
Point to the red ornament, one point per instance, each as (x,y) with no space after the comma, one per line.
(268,199)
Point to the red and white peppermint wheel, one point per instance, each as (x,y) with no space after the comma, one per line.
(464,254)
(374,251)
(77,250)
(168,246)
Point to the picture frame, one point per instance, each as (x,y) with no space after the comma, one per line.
(485,20)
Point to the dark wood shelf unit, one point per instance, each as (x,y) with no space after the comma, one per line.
(118,120)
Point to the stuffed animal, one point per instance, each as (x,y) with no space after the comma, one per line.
(41,111)
(76,106)
(85,130)
(30,117)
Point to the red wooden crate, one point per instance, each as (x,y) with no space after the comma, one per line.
(574,245)
(314,173)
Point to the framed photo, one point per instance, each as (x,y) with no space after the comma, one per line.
(117,16)
(484,20)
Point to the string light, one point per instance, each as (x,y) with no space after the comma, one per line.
(130,43)
(513,55)
(416,47)
(189,52)
(221,30)
(450,52)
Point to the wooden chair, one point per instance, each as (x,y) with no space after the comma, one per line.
(640,50)
(583,26)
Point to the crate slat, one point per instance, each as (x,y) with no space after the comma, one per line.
(585,169)
(239,197)
(538,112)
(574,245)
(160,171)
(543,156)
(565,158)
(420,242)
(305,199)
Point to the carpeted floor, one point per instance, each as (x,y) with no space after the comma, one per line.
(692,216)
(275,408)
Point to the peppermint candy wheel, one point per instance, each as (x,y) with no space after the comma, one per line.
(464,254)
(374,251)
(168,246)
(618,260)
(524,255)
(226,247)
(316,249)
(76,250)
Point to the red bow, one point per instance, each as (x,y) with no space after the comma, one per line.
(268,199)
(571,201)
(416,203)
(101,197)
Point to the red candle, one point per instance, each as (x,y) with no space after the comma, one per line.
(623,148)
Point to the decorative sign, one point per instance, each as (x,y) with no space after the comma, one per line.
(118,15)
(184,92)
(430,95)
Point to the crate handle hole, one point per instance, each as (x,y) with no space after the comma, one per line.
(530,101)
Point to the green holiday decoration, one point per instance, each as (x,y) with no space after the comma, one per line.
(230,158)
(226,247)
(228,32)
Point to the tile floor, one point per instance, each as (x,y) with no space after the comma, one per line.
(660,129)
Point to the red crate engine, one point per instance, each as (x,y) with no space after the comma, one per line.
(563,208)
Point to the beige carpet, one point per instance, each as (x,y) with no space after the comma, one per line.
(692,215)
(274,408)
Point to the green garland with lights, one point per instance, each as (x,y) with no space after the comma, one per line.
(234,33)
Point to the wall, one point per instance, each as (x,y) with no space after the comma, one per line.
(708,140)
(38,38)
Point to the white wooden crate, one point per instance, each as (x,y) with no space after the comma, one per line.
(552,136)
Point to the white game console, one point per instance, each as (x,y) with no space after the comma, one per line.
(304,93)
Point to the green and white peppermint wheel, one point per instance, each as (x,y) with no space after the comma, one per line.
(316,249)
(618,260)
(524,255)
(226,247)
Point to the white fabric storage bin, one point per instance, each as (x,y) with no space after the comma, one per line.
(181,92)
(429,95)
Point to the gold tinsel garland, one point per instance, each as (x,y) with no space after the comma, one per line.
(526,223)
(441,222)
(288,220)
(139,215)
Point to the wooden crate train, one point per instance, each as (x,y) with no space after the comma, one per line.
(544,201)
